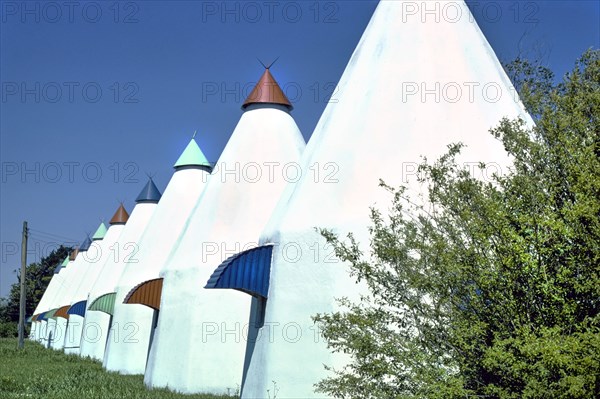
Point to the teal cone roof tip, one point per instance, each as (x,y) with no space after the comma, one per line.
(149,193)
(100,232)
(192,156)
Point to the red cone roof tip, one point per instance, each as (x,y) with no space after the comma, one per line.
(267,91)
(120,217)
(73,254)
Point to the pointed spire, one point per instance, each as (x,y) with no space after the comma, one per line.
(100,232)
(192,156)
(85,245)
(267,91)
(149,193)
(73,254)
(65,262)
(120,216)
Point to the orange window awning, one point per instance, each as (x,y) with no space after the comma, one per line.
(62,312)
(147,293)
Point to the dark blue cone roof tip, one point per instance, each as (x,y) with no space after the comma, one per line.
(249,272)
(150,193)
(78,308)
(85,245)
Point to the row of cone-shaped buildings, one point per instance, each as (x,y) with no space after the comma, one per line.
(213,284)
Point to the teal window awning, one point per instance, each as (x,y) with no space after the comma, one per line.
(104,303)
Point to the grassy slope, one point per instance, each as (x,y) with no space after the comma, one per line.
(36,372)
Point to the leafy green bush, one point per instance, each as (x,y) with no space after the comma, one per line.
(492,291)
(8,329)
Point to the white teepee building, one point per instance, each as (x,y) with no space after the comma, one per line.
(127,353)
(94,257)
(198,344)
(57,340)
(101,299)
(75,258)
(46,301)
(76,271)
(54,334)
(414,84)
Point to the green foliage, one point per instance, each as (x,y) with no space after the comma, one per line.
(8,329)
(3,313)
(38,276)
(36,372)
(493,289)
(533,82)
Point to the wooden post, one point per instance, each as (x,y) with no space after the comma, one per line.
(23,277)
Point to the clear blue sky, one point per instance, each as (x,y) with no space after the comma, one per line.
(118,89)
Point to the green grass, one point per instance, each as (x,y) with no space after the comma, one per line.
(37,372)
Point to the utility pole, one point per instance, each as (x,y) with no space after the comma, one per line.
(23,275)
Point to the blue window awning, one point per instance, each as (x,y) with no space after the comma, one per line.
(248,271)
(78,308)
(41,317)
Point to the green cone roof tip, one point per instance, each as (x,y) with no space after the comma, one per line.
(100,233)
(192,156)
(65,262)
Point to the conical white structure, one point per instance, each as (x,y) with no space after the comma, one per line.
(75,258)
(198,344)
(60,321)
(36,326)
(95,257)
(100,303)
(45,302)
(76,272)
(127,347)
(416,82)
(55,293)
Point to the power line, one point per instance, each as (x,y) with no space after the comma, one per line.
(48,238)
(34,239)
(52,235)
(44,240)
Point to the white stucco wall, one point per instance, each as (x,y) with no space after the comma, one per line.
(94,259)
(60,324)
(125,248)
(374,129)
(68,274)
(45,303)
(127,347)
(186,354)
